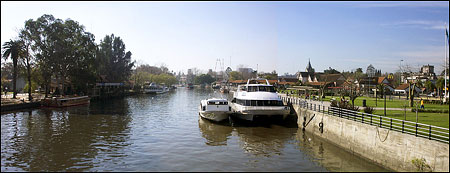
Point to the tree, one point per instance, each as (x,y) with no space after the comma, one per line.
(331,71)
(62,49)
(47,39)
(26,56)
(204,78)
(112,59)
(440,85)
(359,70)
(411,94)
(235,75)
(11,49)
(430,86)
(419,84)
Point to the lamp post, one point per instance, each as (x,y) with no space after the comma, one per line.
(384,95)
(401,72)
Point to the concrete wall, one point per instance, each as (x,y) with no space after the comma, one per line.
(391,149)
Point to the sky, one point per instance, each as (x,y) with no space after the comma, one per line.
(265,36)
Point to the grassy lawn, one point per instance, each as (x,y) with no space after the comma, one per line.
(435,119)
(393,103)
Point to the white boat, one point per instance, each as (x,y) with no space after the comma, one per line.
(214,109)
(257,99)
(152,88)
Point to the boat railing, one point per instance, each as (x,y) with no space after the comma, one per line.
(74,98)
(264,108)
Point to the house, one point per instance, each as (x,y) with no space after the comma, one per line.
(387,83)
(404,89)
(336,79)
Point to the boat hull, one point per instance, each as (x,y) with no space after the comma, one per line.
(250,112)
(66,102)
(214,115)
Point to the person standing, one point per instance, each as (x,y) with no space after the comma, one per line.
(421,104)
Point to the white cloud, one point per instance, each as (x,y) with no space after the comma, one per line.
(422,24)
(400,4)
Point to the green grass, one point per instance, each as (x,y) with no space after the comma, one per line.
(435,119)
(393,103)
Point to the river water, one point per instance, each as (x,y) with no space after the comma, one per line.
(160,133)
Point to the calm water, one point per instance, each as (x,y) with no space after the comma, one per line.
(160,133)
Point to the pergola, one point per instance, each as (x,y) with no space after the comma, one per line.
(304,89)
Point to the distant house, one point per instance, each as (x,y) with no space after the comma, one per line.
(404,89)
(386,82)
(334,80)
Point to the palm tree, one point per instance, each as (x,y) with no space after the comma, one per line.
(12,49)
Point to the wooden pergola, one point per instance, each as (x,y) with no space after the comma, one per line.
(304,89)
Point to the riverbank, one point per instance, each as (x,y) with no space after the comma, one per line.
(20,102)
(382,144)
(394,109)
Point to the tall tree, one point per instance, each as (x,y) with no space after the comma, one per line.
(112,59)
(63,49)
(27,56)
(235,75)
(11,49)
(331,71)
(430,86)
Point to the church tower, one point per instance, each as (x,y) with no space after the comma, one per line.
(309,68)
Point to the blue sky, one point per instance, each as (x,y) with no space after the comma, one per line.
(279,36)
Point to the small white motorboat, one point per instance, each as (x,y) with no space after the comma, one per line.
(214,109)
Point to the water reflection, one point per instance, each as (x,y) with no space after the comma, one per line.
(63,139)
(332,157)
(214,133)
(264,141)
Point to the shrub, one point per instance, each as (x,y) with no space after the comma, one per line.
(369,110)
(421,165)
(334,103)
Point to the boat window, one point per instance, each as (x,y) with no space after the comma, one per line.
(262,88)
(253,103)
(260,102)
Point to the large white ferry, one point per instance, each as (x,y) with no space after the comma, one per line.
(257,99)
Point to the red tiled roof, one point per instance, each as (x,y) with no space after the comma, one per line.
(402,86)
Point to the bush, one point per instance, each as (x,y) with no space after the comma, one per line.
(421,165)
(344,105)
(334,103)
(369,110)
